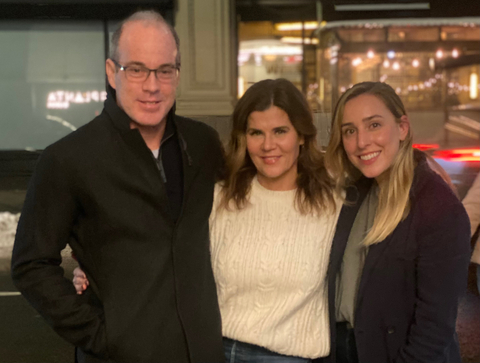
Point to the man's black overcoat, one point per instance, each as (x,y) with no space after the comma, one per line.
(152,295)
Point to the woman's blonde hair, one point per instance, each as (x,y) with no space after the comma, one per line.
(315,188)
(394,190)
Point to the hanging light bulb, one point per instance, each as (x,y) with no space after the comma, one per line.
(473,86)
(357,61)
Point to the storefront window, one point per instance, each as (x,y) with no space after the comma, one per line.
(52,80)
(262,59)
(276,50)
(415,34)
(355,36)
(460,33)
(407,57)
(410,74)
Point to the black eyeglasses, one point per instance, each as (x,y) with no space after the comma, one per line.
(139,73)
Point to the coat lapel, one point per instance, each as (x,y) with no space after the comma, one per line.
(190,164)
(378,252)
(354,199)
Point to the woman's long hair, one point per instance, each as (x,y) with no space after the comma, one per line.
(314,186)
(394,190)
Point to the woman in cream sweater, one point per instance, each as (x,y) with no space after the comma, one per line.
(271,230)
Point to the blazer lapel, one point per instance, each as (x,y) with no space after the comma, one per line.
(377,253)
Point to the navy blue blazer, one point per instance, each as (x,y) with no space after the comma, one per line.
(411,282)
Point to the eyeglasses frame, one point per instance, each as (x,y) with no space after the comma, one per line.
(155,70)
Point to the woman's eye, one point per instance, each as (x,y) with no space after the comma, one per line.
(374,125)
(280,131)
(348,132)
(254,133)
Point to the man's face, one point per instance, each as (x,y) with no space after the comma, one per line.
(153,46)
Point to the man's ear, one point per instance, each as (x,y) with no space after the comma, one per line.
(110,70)
(404,126)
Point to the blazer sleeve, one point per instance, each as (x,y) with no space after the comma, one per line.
(443,238)
(44,229)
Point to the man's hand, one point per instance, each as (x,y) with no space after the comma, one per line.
(80,280)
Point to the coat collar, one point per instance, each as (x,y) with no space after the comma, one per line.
(121,121)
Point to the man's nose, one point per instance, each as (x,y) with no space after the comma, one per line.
(151,84)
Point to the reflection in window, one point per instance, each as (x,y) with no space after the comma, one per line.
(52,80)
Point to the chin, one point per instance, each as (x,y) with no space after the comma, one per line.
(368,173)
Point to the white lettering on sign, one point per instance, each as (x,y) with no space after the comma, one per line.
(63,99)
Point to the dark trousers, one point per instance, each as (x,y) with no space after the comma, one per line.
(346,349)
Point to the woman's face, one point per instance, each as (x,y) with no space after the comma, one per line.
(273,145)
(371,136)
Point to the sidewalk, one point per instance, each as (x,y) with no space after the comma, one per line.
(12,196)
(8,226)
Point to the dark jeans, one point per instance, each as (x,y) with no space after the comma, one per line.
(239,352)
(346,349)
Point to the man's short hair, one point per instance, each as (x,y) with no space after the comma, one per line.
(149,17)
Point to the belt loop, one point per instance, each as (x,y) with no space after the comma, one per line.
(232,353)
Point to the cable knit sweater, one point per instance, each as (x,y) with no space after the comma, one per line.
(270,265)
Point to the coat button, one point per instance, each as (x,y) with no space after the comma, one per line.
(391,330)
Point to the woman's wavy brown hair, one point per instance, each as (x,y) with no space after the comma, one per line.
(315,189)
(393,198)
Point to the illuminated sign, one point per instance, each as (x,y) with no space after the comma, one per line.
(63,99)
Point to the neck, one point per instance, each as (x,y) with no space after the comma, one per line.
(277,185)
(384,176)
(152,135)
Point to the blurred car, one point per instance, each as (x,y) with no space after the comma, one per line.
(461,164)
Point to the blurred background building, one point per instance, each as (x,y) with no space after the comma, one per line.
(52,78)
(52,55)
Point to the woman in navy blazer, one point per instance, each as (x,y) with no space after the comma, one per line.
(413,256)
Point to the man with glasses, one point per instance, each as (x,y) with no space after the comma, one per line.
(131,192)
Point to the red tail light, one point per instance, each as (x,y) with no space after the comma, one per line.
(424,147)
(467,154)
